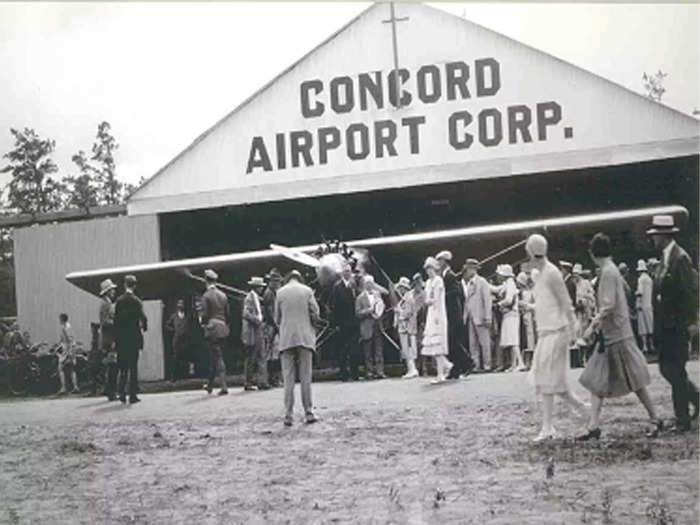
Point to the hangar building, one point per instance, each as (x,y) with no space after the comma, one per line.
(472,127)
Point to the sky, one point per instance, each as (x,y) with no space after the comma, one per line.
(162,73)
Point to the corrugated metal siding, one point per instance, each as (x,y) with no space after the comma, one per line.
(45,254)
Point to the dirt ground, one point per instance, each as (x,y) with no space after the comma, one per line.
(393,451)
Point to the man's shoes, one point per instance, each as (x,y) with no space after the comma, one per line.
(410,375)
(122,399)
(209,388)
(310,419)
(62,392)
(250,388)
(380,376)
(287,421)
(133,400)
(112,397)
(222,392)
(448,369)
(263,387)
(591,434)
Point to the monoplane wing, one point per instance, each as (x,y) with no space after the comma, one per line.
(402,253)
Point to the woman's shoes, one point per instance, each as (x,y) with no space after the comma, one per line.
(544,436)
(658,427)
(437,380)
(591,434)
(410,375)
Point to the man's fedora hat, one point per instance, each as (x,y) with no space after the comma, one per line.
(417,277)
(256,281)
(578,269)
(444,255)
(472,263)
(565,264)
(106,286)
(662,225)
(211,275)
(641,265)
(274,275)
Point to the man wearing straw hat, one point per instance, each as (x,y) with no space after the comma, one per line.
(297,315)
(675,316)
(253,337)
(478,307)
(109,352)
(215,321)
(645,310)
(455,329)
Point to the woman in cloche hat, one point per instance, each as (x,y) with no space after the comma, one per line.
(510,324)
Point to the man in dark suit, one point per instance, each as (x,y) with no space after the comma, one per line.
(454,304)
(215,321)
(129,322)
(565,267)
(345,321)
(675,316)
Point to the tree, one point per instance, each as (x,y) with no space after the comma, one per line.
(32,189)
(129,189)
(654,85)
(83,190)
(110,189)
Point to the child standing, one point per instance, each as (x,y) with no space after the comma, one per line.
(66,355)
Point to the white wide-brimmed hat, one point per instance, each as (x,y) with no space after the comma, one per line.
(662,224)
(431,262)
(403,283)
(211,275)
(505,270)
(522,278)
(106,286)
(444,255)
(641,265)
(256,281)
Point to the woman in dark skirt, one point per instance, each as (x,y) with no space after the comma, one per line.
(618,367)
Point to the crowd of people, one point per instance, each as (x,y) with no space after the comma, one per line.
(455,322)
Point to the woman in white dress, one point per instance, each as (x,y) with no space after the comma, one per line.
(510,325)
(645,312)
(435,334)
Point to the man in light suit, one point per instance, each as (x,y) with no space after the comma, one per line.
(675,316)
(297,315)
(129,323)
(215,320)
(478,305)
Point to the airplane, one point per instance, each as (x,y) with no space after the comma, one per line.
(403,254)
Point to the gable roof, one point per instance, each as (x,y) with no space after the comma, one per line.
(686,126)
